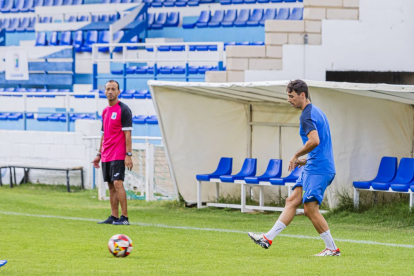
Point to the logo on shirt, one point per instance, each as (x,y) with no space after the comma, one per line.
(113,116)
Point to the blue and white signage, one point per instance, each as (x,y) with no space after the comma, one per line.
(17,67)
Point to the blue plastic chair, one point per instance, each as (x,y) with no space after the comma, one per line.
(6,23)
(229,18)
(37,3)
(225,2)
(78,41)
(82,18)
(7,6)
(263,1)
(27,6)
(270,14)
(14,24)
(32,23)
(66,39)
(67,2)
(46,19)
(169,3)
(248,169)
(57,2)
(41,39)
(386,173)
(24,24)
(18,4)
(48,3)
(224,168)
(215,20)
(193,3)
(255,18)
(77,2)
(104,18)
(297,14)
(283,14)
(405,175)
(250,1)
(103,38)
(291,178)
(53,40)
(91,38)
(173,19)
(160,21)
(274,169)
(237,2)
(203,18)
(241,20)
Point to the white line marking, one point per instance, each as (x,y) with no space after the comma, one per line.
(209,229)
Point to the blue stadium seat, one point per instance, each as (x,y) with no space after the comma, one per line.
(91,38)
(297,14)
(126,1)
(229,18)
(115,1)
(291,178)
(177,48)
(77,2)
(225,2)
(237,2)
(104,18)
(164,48)
(204,69)
(181,3)
(37,3)
(290,1)
(46,19)
(27,6)
(173,19)
(151,18)
(7,6)
(133,40)
(67,2)
(276,1)
(224,168)
(117,35)
(212,47)
(166,69)
(193,3)
(244,43)
(250,1)
(57,3)
(32,23)
(192,70)
(72,18)
(95,18)
(141,94)
(216,19)
(24,24)
(169,3)
(66,39)
(270,14)
(274,170)
(141,70)
(53,40)
(203,18)
(82,18)
(241,20)
(105,1)
(41,39)
(178,70)
(14,24)
(103,37)
(78,41)
(255,18)
(113,17)
(248,169)
(263,1)
(6,23)
(405,175)
(18,4)
(42,91)
(386,173)
(48,3)
(160,21)
(283,14)
(157,3)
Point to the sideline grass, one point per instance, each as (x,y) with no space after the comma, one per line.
(49,246)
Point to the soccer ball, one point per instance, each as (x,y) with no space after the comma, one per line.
(120,245)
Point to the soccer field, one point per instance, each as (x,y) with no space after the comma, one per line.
(45,231)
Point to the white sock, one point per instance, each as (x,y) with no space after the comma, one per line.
(276,229)
(329,242)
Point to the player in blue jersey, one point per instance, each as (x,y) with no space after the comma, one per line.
(317,175)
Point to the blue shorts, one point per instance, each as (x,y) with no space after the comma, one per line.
(314,186)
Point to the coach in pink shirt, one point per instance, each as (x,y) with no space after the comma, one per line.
(115,152)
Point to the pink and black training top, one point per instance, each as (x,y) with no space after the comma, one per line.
(115,120)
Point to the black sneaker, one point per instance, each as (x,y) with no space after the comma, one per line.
(109,220)
(122,221)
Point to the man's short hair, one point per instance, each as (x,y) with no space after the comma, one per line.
(299,86)
(112,81)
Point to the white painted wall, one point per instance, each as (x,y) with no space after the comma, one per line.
(381,40)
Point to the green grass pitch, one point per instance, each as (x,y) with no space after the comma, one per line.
(39,238)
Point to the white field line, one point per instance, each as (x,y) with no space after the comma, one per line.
(209,229)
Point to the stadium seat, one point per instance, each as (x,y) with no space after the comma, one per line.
(67,2)
(7,6)
(103,37)
(27,6)
(91,38)
(6,23)
(241,20)
(169,3)
(291,178)
(173,19)
(179,70)
(225,2)
(250,1)
(151,18)
(133,40)
(14,24)
(46,19)
(237,2)
(386,173)
(53,40)
(404,176)
(77,2)
(37,3)
(104,18)
(41,39)
(276,1)
(66,39)
(290,1)
(113,17)
(245,43)
(78,41)
(216,19)
(248,169)
(157,3)
(126,1)
(203,18)
(141,70)
(297,14)
(257,43)
(141,94)
(177,48)
(48,3)
(181,3)
(82,18)
(166,69)
(270,14)
(95,18)
(32,23)
(255,18)
(263,1)
(193,3)
(283,14)
(57,3)
(274,170)
(229,18)
(224,168)
(105,1)
(160,21)
(18,4)
(24,24)
(115,1)
(72,18)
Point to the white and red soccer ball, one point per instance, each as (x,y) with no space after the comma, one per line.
(120,245)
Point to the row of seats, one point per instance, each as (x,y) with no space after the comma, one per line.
(94,18)
(125,94)
(120,1)
(15,6)
(163,20)
(18,24)
(243,18)
(180,48)
(391,177)
(32,90)
(166,70)
(238,2)
(273,173)
(176,3)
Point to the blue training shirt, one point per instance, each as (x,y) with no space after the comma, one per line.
(320,159)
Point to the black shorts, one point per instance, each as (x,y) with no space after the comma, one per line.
(114,170)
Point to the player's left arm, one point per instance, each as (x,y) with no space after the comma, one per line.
(126,120)
(310,145)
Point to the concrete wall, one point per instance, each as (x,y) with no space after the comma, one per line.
(54,149)
(379,41)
